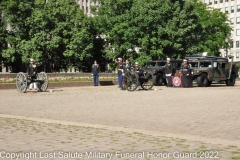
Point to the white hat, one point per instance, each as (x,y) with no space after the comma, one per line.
(184,60)
(136,62)
(168,59)
(119,58)
(31,59)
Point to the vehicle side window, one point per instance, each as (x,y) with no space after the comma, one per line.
(223,65)
(205,64)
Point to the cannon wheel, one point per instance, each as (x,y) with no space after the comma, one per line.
(21,82)
(42,81)
(132,80)
(147,81)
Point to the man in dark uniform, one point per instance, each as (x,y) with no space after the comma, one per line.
(185,68)
(168,67)
(138,70)
(120,72)
(137,67)
(185,65)
(168,72)
(32,72)
(127,66)
(168,64)
(95,72)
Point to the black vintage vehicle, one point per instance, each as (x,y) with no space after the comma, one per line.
(160,72)
(132,79)
(23,81)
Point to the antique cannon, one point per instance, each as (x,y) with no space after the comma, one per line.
(23,81)
(132,79)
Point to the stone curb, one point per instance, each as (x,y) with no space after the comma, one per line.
(13,75)
(62,84)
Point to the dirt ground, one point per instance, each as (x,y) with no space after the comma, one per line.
(105,122)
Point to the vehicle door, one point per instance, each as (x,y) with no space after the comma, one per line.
(216,70)
(223,71)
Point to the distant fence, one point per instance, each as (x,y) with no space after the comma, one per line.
(13,75)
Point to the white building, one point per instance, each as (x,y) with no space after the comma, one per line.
(86,5)
(232,7)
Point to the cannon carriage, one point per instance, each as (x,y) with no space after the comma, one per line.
(132,79)
(23,81)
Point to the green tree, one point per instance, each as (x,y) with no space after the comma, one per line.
(158,28)
(212,30)
(60,35)
(3,35)
(14,15)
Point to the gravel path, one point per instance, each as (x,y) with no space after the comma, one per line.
(95,121)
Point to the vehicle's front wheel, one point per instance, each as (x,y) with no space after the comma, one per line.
(231,81)
(158,80)
(202,80)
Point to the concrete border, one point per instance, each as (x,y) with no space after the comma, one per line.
(63,84)
(13,75)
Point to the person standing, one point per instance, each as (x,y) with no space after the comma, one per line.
(185,65)
(185,68)
(168,64)
(32,72)
(127,66)
(120,72)
(137,67)
(95,72)
(138,70)
(168,68)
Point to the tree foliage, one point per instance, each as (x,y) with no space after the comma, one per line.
(160,28)
(58,34)
(3,35)
(14,14)
(213,28)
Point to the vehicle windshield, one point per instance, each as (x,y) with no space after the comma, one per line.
(151,64)
(193,64)
(161,64)
(205,64)
(154,64)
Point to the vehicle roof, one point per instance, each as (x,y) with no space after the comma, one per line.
(166,60)
(200,57)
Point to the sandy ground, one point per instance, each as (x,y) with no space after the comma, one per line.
(102,120)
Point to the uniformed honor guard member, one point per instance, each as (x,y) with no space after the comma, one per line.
(137,67)
(32,72)
(95,72)
(120,72)
(185,68)
(127,66)
(168,64)
(185,65)
(168,67)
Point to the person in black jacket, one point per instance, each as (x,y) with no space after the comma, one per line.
(185,65)
(138,70)
(185,68)
(168,64)
(127,66)
(95,72)
(32,72)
